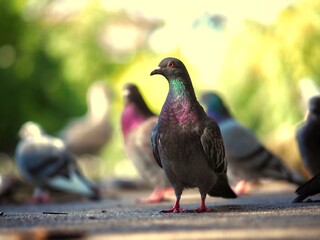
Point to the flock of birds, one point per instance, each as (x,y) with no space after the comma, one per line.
(183,147)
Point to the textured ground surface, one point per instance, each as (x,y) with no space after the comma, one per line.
(266,214)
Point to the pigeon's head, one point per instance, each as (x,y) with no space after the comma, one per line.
(215,105)
(314,105)
(30,129)
(172,69)
(135,109)
(131,93)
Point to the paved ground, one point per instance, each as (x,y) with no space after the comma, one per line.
(266,214)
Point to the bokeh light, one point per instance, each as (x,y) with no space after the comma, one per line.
(254,53)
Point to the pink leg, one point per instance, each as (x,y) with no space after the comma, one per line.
(158,195)
(203,207)
(176,208)
(40,196)
(242,187)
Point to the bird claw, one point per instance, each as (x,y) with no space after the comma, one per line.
(174,210)
(201,210)
(40,199)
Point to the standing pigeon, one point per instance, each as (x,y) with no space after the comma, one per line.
(187,143)
(137,121)
(45,162)
(90,133)
(310,188)
(308,137)
(248,159)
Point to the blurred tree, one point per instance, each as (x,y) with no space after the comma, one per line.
(265,63)
(47,61)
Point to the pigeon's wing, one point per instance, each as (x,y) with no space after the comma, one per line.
(139,150)
(213,147)
(69,178)
(308,137)
(47,163)
(154,137)
(311,187)
(249,159)
(40,159)
(249,145)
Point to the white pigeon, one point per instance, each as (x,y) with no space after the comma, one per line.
(45,162)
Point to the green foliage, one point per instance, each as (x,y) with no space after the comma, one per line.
(265,64)
(55,60)
(47,62)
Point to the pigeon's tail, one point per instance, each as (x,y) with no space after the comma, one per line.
(222,189)
(311,187)
(95,193)
(296,178)
(77,184)
(272,167)
(300,198)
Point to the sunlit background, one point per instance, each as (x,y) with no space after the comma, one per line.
(262,56)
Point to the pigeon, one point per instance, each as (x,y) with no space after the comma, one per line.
(90,133)
(45,162)
(308,137)
(9,185)
(248,159)
(310,188)
(186,142)
(137,121)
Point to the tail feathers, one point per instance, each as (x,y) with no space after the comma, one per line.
(297,178)
(300,198)
(278,171)
(75,184)
(310,188)
(222,189)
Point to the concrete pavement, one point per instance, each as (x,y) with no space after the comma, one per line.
(265,214)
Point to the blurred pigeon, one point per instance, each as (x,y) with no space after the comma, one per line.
(248,159)
(308,88)
(90,133)
(45,162)
(137,121)
(309,188)
(187,143)
(308,137)
(9,184)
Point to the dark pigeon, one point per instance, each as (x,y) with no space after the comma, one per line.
(137,121)
(248,159)
(187,143)
(45,162)
(308,137)
(90,133)
(310,188)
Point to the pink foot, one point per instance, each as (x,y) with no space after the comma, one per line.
(158,195)
(176,208)
(202,209)
(40,197)
(242,187)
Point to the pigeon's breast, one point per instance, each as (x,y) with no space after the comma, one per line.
(183,159)
(178,114)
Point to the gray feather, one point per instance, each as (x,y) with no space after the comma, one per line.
(45,162)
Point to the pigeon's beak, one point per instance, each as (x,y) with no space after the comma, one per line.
(158,70)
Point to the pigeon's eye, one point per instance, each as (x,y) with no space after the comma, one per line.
(170,64)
